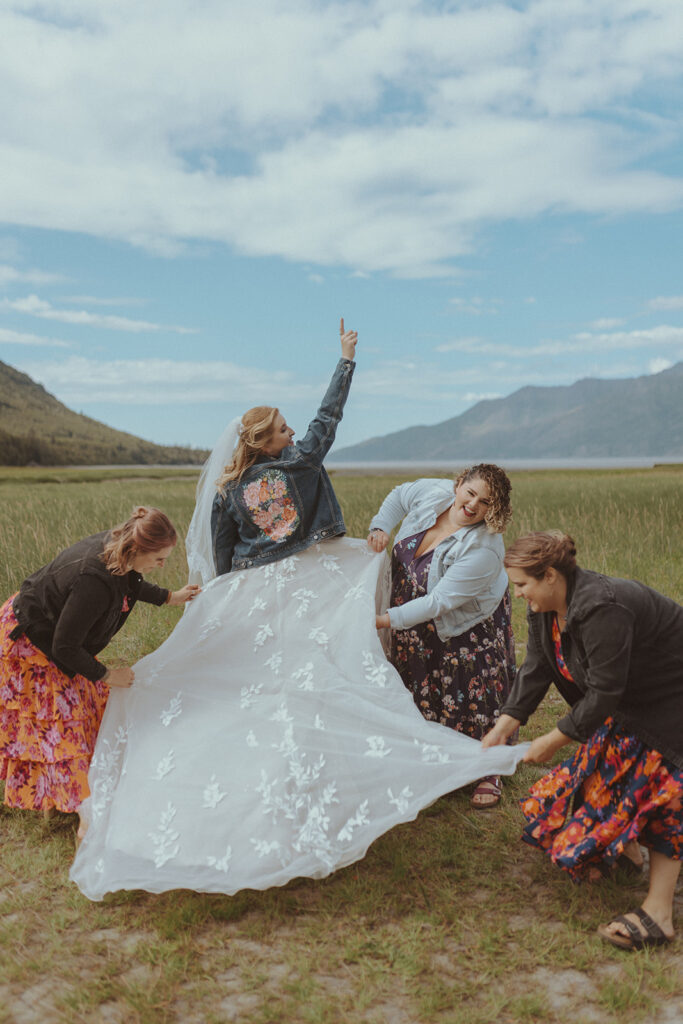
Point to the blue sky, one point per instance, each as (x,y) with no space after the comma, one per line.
(193,192)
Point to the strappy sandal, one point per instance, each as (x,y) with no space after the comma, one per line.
(490,789)
(653,936)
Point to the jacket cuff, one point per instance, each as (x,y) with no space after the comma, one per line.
(567,725)
(516,712)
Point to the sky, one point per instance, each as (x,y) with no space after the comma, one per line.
(192,192)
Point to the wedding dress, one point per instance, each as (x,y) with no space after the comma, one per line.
(267,738)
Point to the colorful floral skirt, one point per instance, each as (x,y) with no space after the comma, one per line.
(48,725)
(613,789)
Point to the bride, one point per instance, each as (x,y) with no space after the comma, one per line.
(268,737)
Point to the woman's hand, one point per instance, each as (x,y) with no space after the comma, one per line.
(383,621)
(543,748)
(501,732)
(186,593)
(348,341)
(378,540)
(122,677)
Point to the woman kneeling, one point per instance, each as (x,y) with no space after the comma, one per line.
(614,649)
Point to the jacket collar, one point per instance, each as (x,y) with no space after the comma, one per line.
(586,590)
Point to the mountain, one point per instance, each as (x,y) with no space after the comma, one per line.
(591,418)
(35,428)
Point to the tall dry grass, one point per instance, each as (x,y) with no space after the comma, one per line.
(447,920)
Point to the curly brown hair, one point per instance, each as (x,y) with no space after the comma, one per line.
(499,513)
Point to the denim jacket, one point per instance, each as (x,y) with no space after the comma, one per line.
(283,505)
(623,646)
(466,580)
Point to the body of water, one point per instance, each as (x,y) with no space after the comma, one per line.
(623,462)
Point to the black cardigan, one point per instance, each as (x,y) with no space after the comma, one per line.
(71,608)
(623,645)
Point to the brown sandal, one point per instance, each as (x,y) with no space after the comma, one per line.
(487,794)
(650,934)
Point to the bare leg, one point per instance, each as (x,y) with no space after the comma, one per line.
(632,851)
(659,901)
(82,829)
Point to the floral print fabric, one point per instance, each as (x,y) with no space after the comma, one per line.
(614,788)
(271,505)
(464,681)
(559,656)
(48,725)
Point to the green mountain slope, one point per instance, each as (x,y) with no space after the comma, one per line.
(35,428)
(640,416)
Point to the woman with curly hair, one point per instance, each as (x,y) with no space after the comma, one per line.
(451,635)
(53,688)
(614,649)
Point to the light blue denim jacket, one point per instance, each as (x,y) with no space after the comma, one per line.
(282,505)
(467,579)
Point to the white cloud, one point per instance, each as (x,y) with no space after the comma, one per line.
(648,337)
(266,127)
(606,323)
(94,300)
(473,344)
(10,275)
(165,382)
(35,306)
(667,302)
(663,335)
(9,337)
(657,365)
(475,305)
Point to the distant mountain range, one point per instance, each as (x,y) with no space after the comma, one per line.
(36,429)
(640,416)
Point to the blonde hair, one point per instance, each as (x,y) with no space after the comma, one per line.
(148,529)
(256,430)
(546,549)
(499,513)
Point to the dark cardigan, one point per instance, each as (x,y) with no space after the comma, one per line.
(71,608)
(623,645)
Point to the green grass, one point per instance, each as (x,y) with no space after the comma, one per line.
(448,919)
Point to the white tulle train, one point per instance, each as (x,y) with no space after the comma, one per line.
(267,738)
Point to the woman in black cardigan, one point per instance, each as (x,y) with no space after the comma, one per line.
(614,649)
(53,689)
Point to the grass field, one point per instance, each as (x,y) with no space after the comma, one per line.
(448,919)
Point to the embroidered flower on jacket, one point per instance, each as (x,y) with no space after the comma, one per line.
(271,505)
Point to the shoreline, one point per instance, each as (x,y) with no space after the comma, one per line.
(454,465)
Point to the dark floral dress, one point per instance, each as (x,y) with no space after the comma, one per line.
(461,682)
(613,789)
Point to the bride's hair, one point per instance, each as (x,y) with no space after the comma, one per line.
(256,430)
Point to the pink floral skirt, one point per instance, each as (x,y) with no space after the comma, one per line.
(48,725)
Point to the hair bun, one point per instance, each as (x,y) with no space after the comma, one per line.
(140,512)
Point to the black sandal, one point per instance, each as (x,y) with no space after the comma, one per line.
(654,936)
